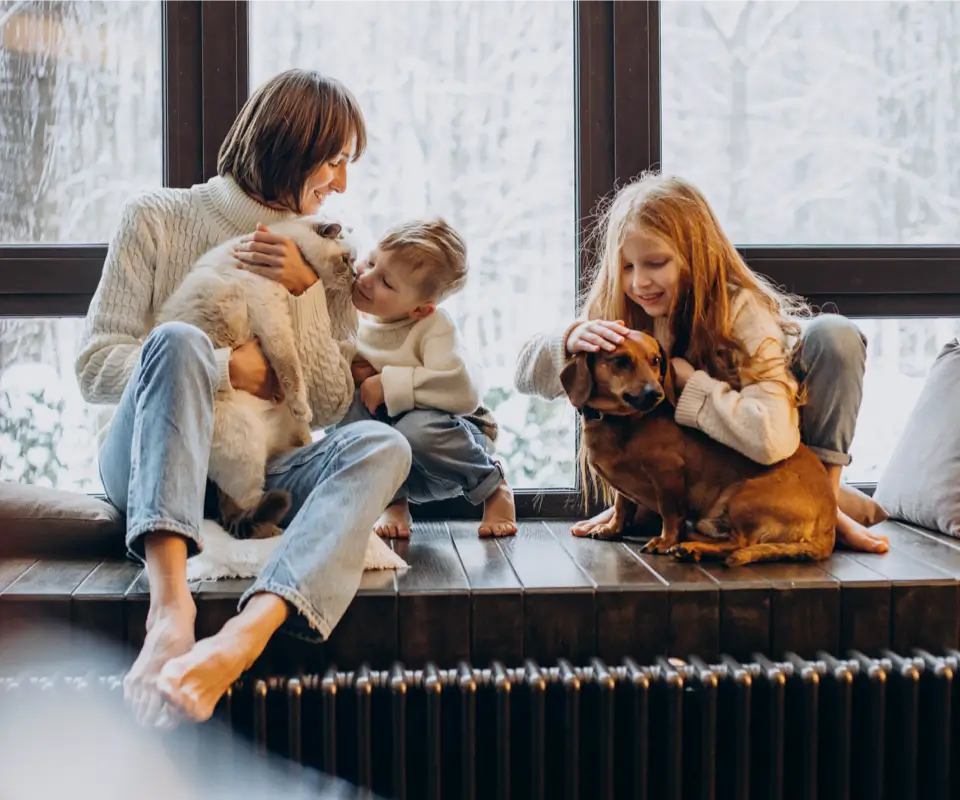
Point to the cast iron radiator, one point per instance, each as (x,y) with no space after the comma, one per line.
(853,727)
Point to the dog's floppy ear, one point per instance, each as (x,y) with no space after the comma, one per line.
(668,378)
(577,379)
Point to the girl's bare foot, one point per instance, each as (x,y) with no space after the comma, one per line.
(587,527)
(195,682)
(499,513)
(169,634)
(395,521)
(852,535)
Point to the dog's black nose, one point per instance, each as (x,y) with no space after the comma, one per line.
(647,399)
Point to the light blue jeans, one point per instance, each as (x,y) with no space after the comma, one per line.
(154,469)
(451,455)
(833,359)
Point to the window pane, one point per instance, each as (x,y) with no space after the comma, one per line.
(816,123)
(900,353)
(80,116)
(470,110)
(47,432)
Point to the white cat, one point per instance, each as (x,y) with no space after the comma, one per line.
(234,306)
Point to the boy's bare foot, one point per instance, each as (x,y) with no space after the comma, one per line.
(587,527)
(170,633)
(195,682)
(499,513)
(395,521)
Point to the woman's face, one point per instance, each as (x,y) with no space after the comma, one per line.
(329,177)
(649,271)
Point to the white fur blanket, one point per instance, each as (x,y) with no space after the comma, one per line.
(226,557)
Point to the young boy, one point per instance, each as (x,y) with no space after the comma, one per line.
(413,373)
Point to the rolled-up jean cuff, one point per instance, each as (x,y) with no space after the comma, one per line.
(487,488)
(135,536)
(832,457)
(306,610)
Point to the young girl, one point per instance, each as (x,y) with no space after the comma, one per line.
(740,351)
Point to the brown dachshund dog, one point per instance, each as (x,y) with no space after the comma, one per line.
(736,508)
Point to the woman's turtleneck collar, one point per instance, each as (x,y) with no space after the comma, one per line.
(233,210)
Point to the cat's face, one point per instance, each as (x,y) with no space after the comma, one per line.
(326,247)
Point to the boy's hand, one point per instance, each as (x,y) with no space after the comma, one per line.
(361,369)
(371,393)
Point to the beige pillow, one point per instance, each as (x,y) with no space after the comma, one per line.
(922,481)
(51,523)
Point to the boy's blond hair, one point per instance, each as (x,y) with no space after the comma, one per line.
(434,252)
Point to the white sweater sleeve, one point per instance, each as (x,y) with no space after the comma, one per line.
(121,312)
(446,381)
(760,421)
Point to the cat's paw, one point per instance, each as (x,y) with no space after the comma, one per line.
(300,410)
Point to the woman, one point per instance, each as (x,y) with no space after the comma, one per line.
(285,153)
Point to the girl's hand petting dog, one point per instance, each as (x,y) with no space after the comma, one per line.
(371,393)
(361,369)
(683,371)
(276,257)
(590,336)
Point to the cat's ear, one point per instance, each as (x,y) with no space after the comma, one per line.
(329,230)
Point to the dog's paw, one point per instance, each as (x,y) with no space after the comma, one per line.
(656,545)
(684,552)
(605,531)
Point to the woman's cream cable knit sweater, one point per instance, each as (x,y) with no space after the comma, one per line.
(161,234)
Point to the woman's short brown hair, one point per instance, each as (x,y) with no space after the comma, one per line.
(287,128)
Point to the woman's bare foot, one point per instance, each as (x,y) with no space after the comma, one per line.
(170,633)
(852,535)
(195,682)
(587,527)
(395,521)
(499,513)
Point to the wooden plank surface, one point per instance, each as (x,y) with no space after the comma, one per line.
(805,611)
(496,597)
(865,604)
(632,611)
(558,598)
(434,599)
(744,609)
(693,598)
(98,605)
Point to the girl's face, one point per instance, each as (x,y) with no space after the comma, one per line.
(329,177)
(649,271)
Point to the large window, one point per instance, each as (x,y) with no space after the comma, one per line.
(824,134)
(811,123)
(471,115)
(80,132)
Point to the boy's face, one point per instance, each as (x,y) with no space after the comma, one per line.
(386,289)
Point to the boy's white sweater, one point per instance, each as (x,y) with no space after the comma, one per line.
(422,363)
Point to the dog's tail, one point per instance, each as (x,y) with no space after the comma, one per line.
(260,522)
(787,551)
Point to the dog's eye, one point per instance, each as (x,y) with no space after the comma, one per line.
(656,361)
(622,362)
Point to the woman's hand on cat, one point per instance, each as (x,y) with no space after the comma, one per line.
(250,372)
(276,257)
(361,369)
(683,372)
(371,393)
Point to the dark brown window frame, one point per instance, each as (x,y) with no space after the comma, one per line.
(617,92)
